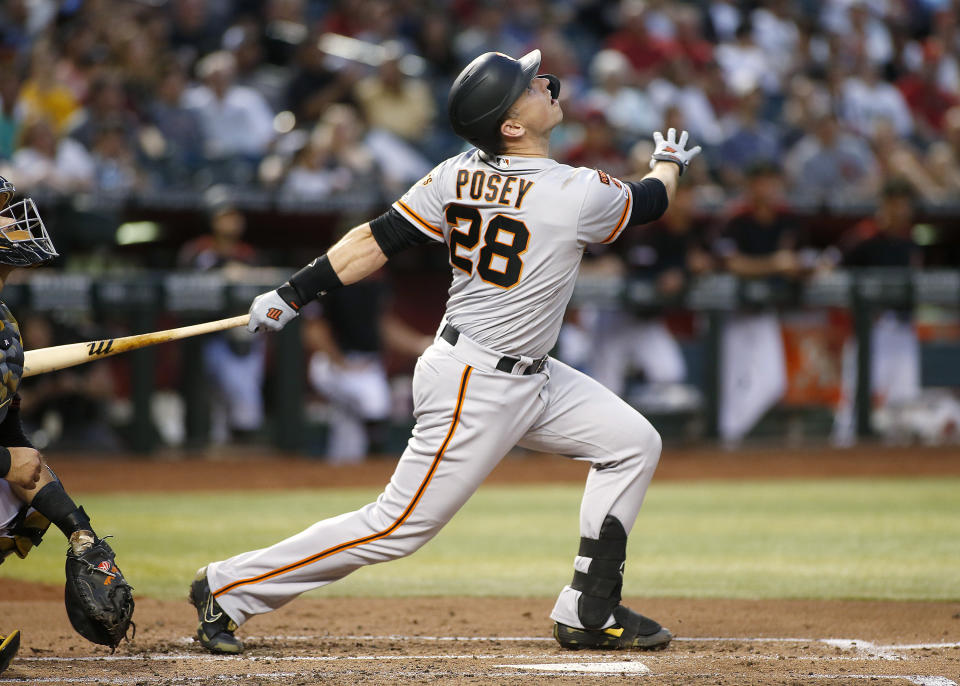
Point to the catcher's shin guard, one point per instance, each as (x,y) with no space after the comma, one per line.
(9,645)
(215,628)
(600,588)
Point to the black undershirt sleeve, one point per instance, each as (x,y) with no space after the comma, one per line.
(11,435)
(11,430)
(649,200)
(394,234)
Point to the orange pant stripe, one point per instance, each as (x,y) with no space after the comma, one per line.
(386,532)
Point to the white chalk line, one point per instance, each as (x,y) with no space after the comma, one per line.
(227,678)
(619,667)
(444,656)
(913,679)
(598,665)
(845,643)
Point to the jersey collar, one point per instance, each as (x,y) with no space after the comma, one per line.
(516,163)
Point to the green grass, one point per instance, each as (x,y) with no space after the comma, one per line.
(851,538)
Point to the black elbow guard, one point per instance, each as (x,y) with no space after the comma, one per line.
(649,201)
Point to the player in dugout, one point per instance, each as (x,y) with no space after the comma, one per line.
(31,495)
(516,224)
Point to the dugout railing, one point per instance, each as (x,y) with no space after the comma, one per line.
(144,302)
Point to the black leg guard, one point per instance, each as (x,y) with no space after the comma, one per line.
(601,586)
(600,590)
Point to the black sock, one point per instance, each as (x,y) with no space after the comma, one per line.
(53,503)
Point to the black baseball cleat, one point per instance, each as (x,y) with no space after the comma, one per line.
(632,630)
(9,645)
(215,630)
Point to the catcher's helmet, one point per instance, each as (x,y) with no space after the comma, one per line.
(484,91)
(24,240)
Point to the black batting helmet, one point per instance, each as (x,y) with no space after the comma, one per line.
(24,240)
(484,91)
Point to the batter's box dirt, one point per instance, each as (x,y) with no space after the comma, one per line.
(497,640)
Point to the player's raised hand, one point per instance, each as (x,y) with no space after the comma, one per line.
(25,464)
(271,311)
(673,150)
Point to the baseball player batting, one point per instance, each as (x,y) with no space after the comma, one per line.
(516,223)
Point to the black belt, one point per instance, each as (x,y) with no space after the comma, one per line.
(506,363)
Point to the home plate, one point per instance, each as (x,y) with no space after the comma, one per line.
(591,667)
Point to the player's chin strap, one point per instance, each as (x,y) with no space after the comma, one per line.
(601,585)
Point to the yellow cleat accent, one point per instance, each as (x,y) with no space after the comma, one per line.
(8,649)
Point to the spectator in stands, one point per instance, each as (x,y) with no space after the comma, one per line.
(689,37)
(237,122)
(946,32)
(346,343)
(243,41)
(106,102)
(628,109)
(9,118)
(115,167)
(488,29)
(44,162)
(775,31)
(42,95)
(827,165)
(858,30)
(21,22)
(315,173)
(399,111)
(598,147)
(952,130)
(807,100)
(434,42)
(335,158)
(234,361)
(928,101)
(315,85)
(284,30)
(867,100)
(745,65)
(944,173)
(682,88)
(899,158)
(647,53)
(177,145)
(395,102)
(883,240)
(748,139)
(758,242)
(194,30)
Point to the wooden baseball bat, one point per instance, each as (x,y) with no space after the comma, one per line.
(43,360)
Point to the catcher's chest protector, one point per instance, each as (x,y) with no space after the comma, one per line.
(11,358)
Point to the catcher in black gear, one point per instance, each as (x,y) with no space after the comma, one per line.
(99,600)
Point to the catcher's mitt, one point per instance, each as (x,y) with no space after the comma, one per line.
(99,600)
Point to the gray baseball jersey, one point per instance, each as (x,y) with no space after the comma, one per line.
(516,230)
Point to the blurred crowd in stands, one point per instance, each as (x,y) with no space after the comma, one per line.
(804,108)
(314,98)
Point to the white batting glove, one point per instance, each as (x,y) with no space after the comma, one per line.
(270,312)
(672,150)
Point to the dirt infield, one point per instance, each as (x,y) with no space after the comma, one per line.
(451,640)
(261,470)
(503,641)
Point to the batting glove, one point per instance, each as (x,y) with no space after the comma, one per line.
(672,150)
(271,311)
